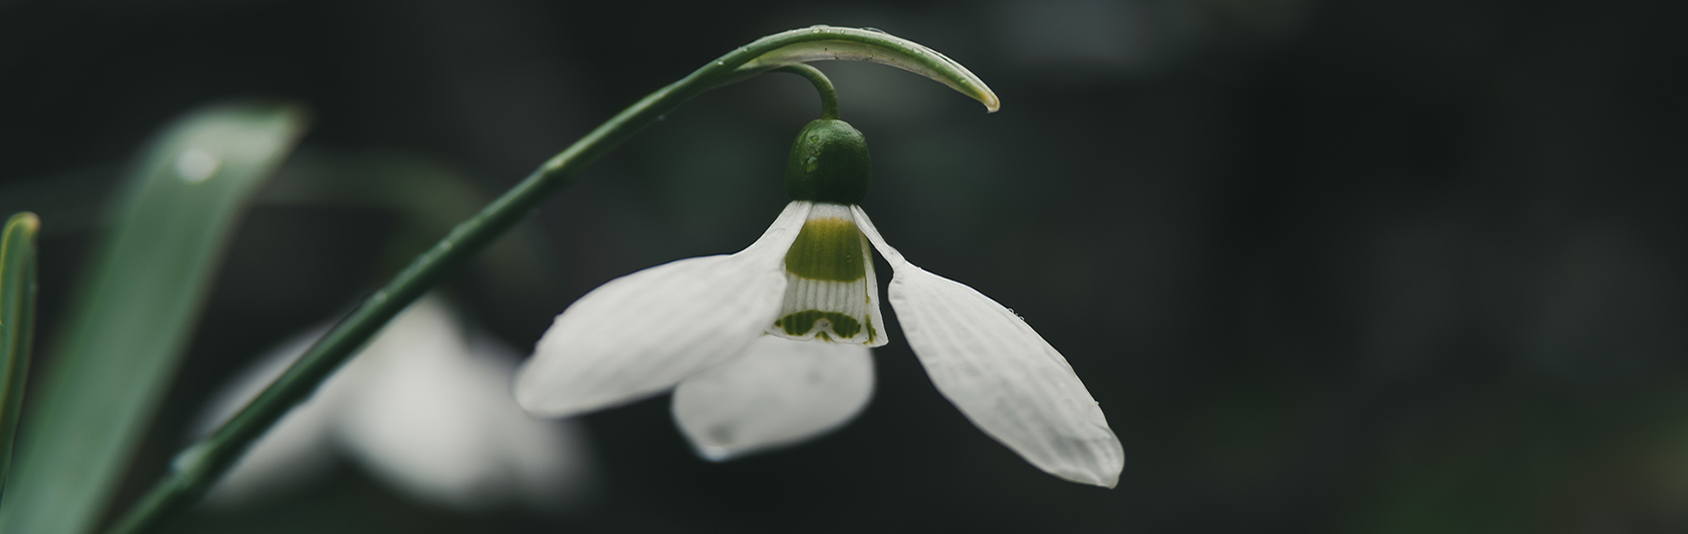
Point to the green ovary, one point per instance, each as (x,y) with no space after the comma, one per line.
(800,323)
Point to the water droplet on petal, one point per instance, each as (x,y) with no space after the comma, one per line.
(195,165)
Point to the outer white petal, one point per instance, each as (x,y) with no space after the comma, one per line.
(291,453)
(641,334)
(1002,375)
(780,392)
(438,422)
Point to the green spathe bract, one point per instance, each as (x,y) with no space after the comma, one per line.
(828,163)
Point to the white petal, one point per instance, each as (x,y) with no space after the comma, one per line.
(1002,375)
(641,334)
(819,302)
(291,453)
(866,225)
(438,422)
(780,392)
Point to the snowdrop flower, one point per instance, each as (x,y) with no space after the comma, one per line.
(424,408)
(769,346)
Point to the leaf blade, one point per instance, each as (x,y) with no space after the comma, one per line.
(17,325)
(139,303)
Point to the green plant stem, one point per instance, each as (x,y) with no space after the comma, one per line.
(17,324)
(823,85)
(195,469)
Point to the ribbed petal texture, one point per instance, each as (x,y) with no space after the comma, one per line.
(1000,373)
(643,333)
(831,292)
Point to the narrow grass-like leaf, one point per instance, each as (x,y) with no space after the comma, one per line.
(136,310)
(17,324)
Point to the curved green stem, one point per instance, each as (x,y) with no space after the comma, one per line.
(823,85)
(196,468)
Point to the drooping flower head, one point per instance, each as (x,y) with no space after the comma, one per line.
(769,346)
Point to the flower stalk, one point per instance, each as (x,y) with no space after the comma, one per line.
(199,466)
(823,85)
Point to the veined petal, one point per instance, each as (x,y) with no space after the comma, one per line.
(831,292)
(641,334)
(780,392)
(1000,373)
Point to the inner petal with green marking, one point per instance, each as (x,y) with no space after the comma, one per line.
(831,294)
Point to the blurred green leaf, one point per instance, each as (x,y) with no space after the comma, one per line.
(136,309)
(17,323)
(429,196)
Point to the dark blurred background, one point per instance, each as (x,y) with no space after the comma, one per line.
(1385,266)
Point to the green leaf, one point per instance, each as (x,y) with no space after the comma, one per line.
(137,308)
(818,43)
(17,323)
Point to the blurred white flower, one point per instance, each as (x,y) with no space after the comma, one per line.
(769,346)
(425,408)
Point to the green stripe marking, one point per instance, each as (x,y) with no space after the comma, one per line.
(802,322)
(828,249)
